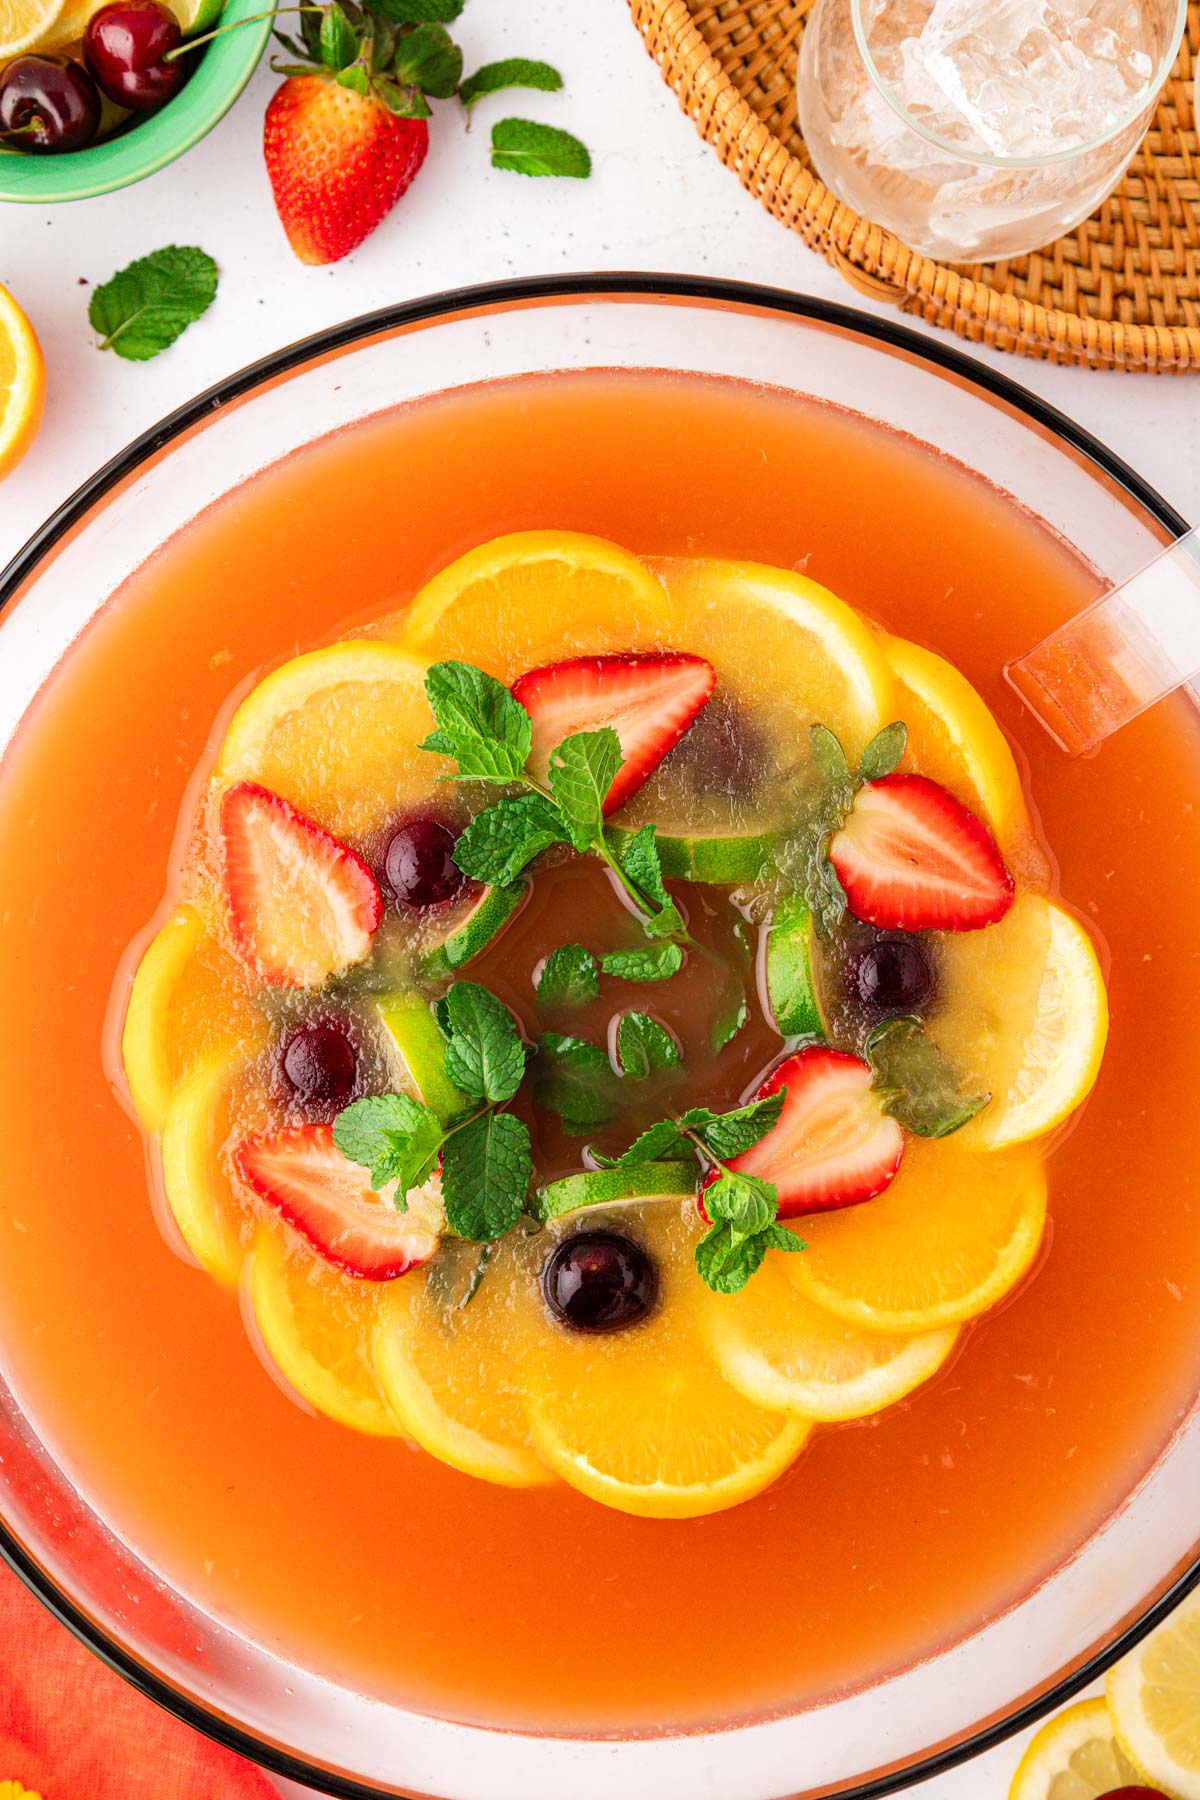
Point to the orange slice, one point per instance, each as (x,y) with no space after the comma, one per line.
(318,1325)
(189,999)
(953,737)
(447,1371)
(1026,1017)
(780,1350)
(1074,1757)
(22,368)
(643,1420)
(537,597)
(951,1236)
(336,733)
(199,1123)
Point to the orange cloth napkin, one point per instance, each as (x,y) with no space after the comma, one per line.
(72,1730)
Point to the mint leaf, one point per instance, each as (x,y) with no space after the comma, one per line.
(726,1261)
(663,1142)
(731,1016)
(882,755)
(419,12)
(744,1227)
(743,1201)
(503,838)
(582,769)
(569,977)
(643,1047)
(486,1168)
(639,858)
(532,149)
(429,59)
(656,964)
(512,71)
(478,722)
(484,1054)
(917,1082)
(393,1136)
(728,1134)
(576,1080)
(143,308)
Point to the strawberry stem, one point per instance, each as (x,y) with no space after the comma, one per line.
(235,25)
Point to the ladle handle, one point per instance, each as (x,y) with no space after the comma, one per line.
(1131,647)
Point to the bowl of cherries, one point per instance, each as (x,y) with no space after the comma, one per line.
(99,93)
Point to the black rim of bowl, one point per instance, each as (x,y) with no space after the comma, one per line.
(939,355)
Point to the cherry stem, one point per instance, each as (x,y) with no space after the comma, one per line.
(235,25)
(30,128)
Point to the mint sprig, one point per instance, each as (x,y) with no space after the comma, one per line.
(576,1080)
(509,72)
(145,306)
(657,962)
(917,1083)
(644,1047)
(532,149)
(569,977)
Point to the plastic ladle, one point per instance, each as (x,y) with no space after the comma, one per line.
(1135,644)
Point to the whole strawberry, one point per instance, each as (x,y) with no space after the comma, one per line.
(346,133)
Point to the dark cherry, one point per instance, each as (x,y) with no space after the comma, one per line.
(125,47)
(419,865)
(599,1281)
(1132,1793)
(892,976)
(48,104)
(319,1065)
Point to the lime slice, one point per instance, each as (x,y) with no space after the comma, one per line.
(790,987)
(611,1187)
(490,914)
(412,1028)
(722,860)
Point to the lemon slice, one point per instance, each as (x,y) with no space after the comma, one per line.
(1154,1704)
(1027,1018)
(643,1420)
(1074,1757)
(953,737)
(23,23)
(537,597)
(336,733)
(781,1351)
(22,369)
(198,1124)
(317,1325)
(953,1234)
(447,1373)
(189,998)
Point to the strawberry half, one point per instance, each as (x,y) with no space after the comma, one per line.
(301,1173)
(301,906)
(649,701)
(912,858)
(833,1144)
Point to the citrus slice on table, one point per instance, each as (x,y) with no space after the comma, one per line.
(1026,1018)
(951,1236)
(537,597)
(22,368)
(1154,1704)
(198,1124)
(189,998)
(336,733)
(317,1324)
(642,1420)
(444,1366)
(1075,1756)
(953,737)
(781,1351)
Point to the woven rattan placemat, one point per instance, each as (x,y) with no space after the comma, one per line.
(1122,291)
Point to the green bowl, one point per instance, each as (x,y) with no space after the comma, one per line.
(223,69)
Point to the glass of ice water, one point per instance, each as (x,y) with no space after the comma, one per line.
(979,129)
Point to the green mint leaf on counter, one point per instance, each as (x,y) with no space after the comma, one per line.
(576,1080)
(727,1135)
(510,72)
(882,755)
(502,839)
(429,59)
(663,1142)
(143,308)
(569,977)
(917,1083)
(532,149)
(658,963)
(644,1047)
(393,1136)
(478,722)
(419,12)
(486,1170)
(582,769)
(484,1053)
